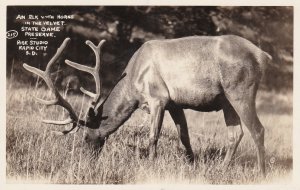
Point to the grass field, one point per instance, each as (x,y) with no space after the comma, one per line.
(36,155)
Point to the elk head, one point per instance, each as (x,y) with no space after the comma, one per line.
(94,116)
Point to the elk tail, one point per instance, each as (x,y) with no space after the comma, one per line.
(265,60)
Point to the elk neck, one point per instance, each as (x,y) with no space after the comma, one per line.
(118,107)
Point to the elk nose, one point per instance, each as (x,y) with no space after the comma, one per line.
(86,138)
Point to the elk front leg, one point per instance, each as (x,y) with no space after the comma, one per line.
(178,116)
(157,109)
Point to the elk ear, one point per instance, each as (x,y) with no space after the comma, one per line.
(91,112)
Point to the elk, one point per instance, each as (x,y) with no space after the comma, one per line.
(199,72)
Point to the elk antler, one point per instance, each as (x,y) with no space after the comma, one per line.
(59,100)
(92,70)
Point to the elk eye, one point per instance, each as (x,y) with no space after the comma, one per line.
(81,122)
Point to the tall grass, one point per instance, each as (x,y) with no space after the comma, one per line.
(36,155)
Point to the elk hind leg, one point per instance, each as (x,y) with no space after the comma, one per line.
(235,132)
(247,112)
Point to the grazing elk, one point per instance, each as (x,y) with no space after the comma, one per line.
(200,73)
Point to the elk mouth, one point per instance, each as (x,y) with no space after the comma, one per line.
(95,144)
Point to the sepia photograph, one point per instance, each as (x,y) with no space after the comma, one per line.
(160,94)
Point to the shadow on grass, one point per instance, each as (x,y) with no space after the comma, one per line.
(250,161)
(141,152)
(211,154)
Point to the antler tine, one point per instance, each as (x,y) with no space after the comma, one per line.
(59,100)
(97,52)
(64,122)
(45,75)
(57,55)
(92,70)
(67,131)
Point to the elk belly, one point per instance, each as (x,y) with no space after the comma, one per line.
(198,99)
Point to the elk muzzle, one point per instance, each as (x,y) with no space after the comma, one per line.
(94,139)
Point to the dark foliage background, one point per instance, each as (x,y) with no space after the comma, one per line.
(126,28)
